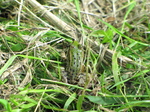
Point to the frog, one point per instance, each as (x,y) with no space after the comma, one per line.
(74,65)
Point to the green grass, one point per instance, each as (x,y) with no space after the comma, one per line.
(114,88)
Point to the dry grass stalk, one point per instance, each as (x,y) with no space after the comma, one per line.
(64,27)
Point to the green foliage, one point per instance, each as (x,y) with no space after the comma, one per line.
(9,62)
(105,100)
(6,105)
(70,100)
(116,88)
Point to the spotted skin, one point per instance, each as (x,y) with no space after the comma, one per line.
(74,62)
